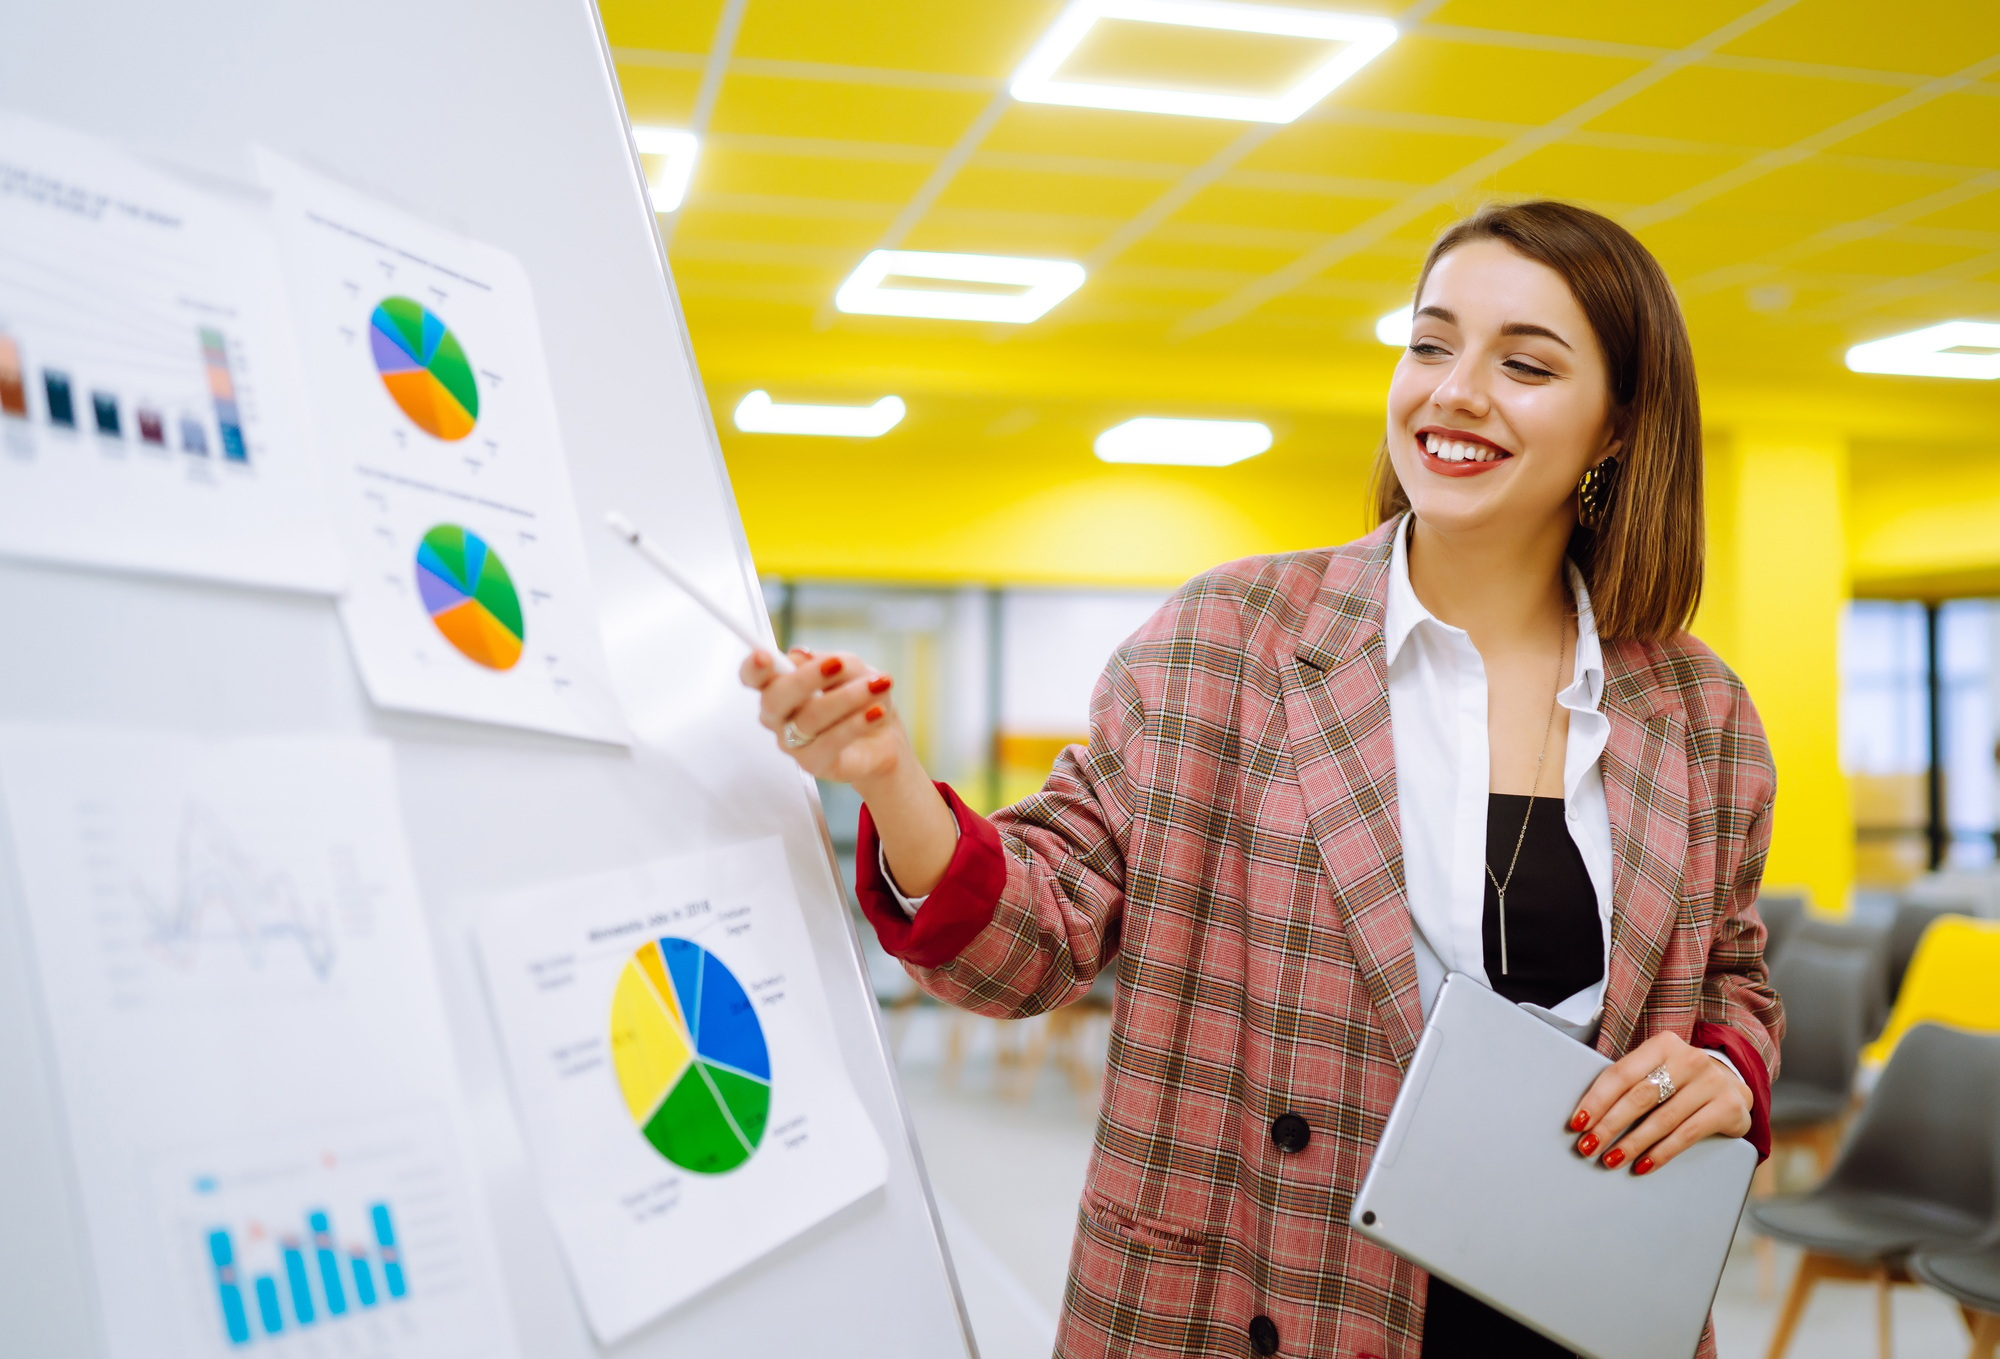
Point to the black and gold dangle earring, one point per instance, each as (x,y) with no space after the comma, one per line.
(1594,492)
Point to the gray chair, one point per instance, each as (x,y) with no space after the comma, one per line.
(1826,991)
(1867,940)
(1922,1169)
(1971,1278)
(1906,931)
(1781,912)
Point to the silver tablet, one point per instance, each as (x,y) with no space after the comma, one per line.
(1476,1181)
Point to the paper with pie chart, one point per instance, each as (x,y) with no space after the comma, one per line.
(469,594)
(669,1044)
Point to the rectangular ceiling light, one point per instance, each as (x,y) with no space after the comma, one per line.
(1361,40)
(1394,329)
(757,413)
(1006,287)
(1955,349)
(1183,443)
(677,149)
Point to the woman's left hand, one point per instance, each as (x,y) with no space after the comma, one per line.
(1623,1117)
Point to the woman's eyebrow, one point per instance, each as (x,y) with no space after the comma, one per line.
(1529,328)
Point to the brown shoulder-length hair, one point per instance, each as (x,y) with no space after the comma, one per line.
(1643,562)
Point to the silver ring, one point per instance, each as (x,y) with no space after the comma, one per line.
(796,739)
(1663,1083)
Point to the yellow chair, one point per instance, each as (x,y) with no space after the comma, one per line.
(1954,979)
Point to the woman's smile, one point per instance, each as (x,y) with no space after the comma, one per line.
(1457,453)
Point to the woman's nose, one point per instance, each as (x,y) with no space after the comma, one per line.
(1460,389)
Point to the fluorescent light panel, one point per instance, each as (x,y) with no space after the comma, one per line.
(757,413)
(1364,38)
(1183,443)
(677,149)
(1394,329)
(1955,349)
(1045,283)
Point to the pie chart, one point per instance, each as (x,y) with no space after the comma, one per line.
(690,1056)
(470,597)
(424,368)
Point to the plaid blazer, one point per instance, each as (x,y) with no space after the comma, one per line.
(1230,838)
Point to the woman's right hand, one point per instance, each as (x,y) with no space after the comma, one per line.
(844,728)
(838,706)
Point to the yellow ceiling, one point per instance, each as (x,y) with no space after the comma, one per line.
(1812,173)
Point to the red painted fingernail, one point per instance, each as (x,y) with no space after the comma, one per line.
(1644,1166)
(830,666)
(1614,1158)
(1580,1121)
(874,714)
(880,684)
(1587,1144)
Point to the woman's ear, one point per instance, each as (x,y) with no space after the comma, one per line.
(1614,445)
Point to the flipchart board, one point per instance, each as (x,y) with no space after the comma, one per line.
(499,123)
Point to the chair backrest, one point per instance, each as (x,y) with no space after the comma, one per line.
(1969,891)
(1906,928)
(1953,979)
(1827,994)
(1931,1128)
(1865,939)
(1781,912)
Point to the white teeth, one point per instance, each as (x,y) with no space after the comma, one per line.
(1451,450)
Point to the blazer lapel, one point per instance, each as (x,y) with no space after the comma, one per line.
(1646,790)
(1336,695)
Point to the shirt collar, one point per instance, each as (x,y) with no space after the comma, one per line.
(1403,611)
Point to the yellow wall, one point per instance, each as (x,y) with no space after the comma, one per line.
(1030,503)
(1926,520)
(1778,582)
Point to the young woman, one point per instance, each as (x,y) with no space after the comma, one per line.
(1477,740)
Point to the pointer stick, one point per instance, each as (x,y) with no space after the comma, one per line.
(625,529)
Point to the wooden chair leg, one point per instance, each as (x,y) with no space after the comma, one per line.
(1885,1329)
(954,1049)
(1985,1328)
(1811,1266)
(1033,1056)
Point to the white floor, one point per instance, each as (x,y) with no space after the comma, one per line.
(1008,1172)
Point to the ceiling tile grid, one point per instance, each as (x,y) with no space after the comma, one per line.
(1812,173)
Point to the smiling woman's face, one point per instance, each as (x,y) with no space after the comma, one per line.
(1502,400)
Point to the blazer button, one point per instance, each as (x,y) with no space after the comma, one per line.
(1290,1132)
(1263,1334)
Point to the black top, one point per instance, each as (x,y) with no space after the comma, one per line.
(1555,948)
(1555,945)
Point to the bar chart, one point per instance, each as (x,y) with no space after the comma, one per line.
(343,1239)
(151,415)
(313,1277)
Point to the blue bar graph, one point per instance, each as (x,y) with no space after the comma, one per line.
(329,1264)
(313,1290)
(295,1275)
(233,1316)
(392,1259)
(267,1304)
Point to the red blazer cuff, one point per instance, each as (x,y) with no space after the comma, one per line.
(957,909)
(1732,1044)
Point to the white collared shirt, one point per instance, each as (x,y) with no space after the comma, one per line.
(1437,719)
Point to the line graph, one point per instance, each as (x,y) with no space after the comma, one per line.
(225,895)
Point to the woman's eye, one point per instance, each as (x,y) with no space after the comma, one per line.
(1526,369)
(1426,348)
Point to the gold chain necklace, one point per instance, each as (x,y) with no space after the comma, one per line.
(1500,887)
